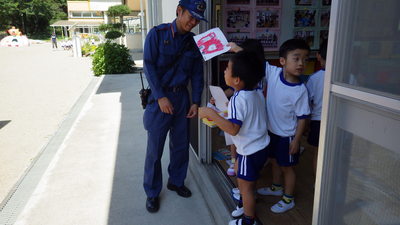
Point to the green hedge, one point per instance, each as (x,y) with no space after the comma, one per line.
(112,58)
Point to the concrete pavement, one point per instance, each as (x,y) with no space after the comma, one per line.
(95,174)
(38,87)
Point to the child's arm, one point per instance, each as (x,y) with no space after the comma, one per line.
(222,123)
(295,144)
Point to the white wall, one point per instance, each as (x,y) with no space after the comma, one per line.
(103,5)
(169,10)
(133,41)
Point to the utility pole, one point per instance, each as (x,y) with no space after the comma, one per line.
(23,24)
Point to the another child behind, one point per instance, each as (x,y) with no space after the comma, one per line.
(315,87)
(246,124)
(287,110)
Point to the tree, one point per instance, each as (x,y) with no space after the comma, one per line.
(118,11)
(31,16)
(8,9)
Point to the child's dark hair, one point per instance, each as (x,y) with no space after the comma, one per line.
(248,67)
(323,49)
(291,45)
(254,45)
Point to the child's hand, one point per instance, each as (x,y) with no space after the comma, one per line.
(205,112)
(234,47)
(212,100)
(294,147)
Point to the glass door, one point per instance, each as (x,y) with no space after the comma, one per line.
(358,179)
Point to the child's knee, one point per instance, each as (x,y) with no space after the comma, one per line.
(287,169)
(246,186)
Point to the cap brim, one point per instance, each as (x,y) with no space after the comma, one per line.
(197,16)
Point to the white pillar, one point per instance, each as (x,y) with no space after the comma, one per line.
(142,22)
(77,46)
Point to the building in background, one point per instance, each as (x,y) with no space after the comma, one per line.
(86,16)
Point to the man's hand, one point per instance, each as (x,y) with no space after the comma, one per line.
(192,111)
(294,147)
(165,105)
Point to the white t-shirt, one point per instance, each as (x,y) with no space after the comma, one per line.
(315,87)
(247,108)
(286,102)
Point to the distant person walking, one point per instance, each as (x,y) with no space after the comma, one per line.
(53,40)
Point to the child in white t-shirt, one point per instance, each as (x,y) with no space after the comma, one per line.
(246,124)
(315,87)
(287,110)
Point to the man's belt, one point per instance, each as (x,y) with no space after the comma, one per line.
(175,88)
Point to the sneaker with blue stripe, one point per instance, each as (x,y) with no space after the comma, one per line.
(282,207)
(239,222)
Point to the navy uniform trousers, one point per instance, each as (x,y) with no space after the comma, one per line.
(158,124)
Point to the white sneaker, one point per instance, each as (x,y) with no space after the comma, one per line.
(282,207)
(239,222)
(238,212)
(268,191)
(235,191)
(236,196)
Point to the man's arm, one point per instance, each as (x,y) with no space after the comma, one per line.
(150,62)
(197,82)
(150,56)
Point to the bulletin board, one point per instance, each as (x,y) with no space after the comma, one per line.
(275,21)
(243,19)
(311,21)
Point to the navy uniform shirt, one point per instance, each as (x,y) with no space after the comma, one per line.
(162,45)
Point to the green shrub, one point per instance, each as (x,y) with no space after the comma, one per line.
(105,27)
(111,58)
(113,34)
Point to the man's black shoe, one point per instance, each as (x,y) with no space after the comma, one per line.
(182,191)
(152,204)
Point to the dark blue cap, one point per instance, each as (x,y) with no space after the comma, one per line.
(195,7)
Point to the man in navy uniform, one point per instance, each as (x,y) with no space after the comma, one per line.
(171,60)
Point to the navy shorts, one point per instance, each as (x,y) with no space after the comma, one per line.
(313,135)
(249,166)
(278,148)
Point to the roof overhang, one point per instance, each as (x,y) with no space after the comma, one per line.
(69,23)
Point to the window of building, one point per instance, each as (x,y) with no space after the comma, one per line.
(86,14)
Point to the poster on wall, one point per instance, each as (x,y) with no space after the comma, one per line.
(326,2)
(304,18)
(238,18)
(237,2)
(268,18)
(303,2)
(307,35)
(237,37)
(268,38)
(325,17)
(267,2)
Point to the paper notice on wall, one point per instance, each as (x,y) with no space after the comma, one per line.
(221,101)
(211,43)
